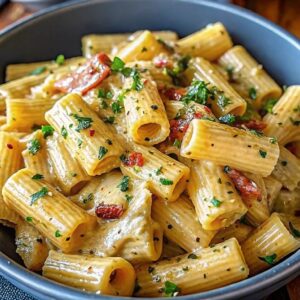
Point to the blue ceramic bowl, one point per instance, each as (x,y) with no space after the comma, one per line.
(59,29)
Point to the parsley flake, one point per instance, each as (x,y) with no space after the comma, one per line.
(117,64)
(37,177)
(47,130)
(38,70)
(158,171)
(102,152)
(60,59)
(252,93)
(269,259)
(124,184)
(57,234)
(128,198)
(64,132)
(227,119)
(40,194)
(170,289)
(29,219)
(165,181)
(34,146)
(83,122)
(215,202)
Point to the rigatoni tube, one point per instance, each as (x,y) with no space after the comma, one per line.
(210,42)
(214,196)
(108,276)
(57,218)
(202,270)
(225,145)
(23,114)
(166,176)
(68,174)
(226,99)
(31,245)
(270,242)
(180,223)
(146,118)
(283,122)
(248,77)
(89,139)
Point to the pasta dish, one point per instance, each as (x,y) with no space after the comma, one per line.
(150,166)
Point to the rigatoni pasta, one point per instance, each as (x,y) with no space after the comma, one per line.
(150,157)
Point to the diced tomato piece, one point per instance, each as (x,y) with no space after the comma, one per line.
(198,115)
(109,211)
(247,188)
(252,125)
(134,159)
(178,128)
(174,94)
(86,77)
(92,132)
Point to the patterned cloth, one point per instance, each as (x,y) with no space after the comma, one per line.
(10,292)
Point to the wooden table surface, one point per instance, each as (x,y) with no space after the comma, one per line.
(285,13)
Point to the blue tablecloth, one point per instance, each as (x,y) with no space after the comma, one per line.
(10,292)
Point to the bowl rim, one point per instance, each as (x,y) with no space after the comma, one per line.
(35,284)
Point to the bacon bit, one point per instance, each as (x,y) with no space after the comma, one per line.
(86,77)
(109,211)
(251,125)
(92,132)
(134,159)
(173,93)
(244,185)
(162,62)
(10,146)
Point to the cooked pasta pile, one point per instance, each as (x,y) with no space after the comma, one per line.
(151,165)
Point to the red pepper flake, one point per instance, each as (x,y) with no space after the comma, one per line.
(92,132)
(162,62)
(173,93)
(247,188)
(87,76)
(251,125)
(10,146)
(134,159)
(109,211)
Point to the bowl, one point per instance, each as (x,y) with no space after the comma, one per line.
(59,29)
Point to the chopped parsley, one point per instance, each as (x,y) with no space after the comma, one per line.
(230,73)
(117,65)
(263,153)
(227,119)
(34,146)
(116,107)
(223,101)
(177,70)
(269,259)
(215,202)
(38,70)
(192,256)
(57,234)
(102,152)
(79,143)
(252,93)
(170,289)
(60,59)
(294,231)
(110,120)
(137,84)
(273,140)
(128,198)
(158,171)
(47,130)
(104,94)
(83,122)
(165,181)
(64,132)
(40,194)
(124,184)
(197,92)
(37,177)
(29,219)
(268,106)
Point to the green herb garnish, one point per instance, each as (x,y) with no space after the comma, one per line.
(29,219)
(192,256)
(227,119)
(269,259)
(64,132)
(165,181)
(252,93)
(294,231)
(124,184)
(34,146)
(40,194)
(102,152)
(262,153)
(57,234)
(170,289)
(37,177)
(60,59)
(83,122)
(215,202)
(38,71)
(47,130)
